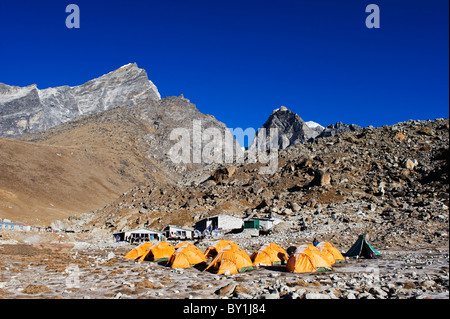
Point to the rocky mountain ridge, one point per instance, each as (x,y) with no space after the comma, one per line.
(112,150)
(338,128)
(30,110)
(293,130)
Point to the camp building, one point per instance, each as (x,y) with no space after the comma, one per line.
(261,223)
(219,222)
(14,226)
(138,235)
(177,232)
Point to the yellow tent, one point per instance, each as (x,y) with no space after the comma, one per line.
(319,262)
(138,251)
(268,255)
(182,244)
(314,261)
(186,255)
(213,250)
(332,250)
(325,254)
(231,260)
(329,257)
(299,263)
(159,252)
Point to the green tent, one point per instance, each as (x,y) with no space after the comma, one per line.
(361,248)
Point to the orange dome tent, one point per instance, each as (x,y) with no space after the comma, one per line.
(231,260)
(299,263)
(185,256)
(319,261)
(159,252)
(307,258)
(138,251)
(212,251)
(331,249)
(325,254)
(182,244)
(268,255)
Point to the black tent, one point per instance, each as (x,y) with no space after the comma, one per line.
(361,248)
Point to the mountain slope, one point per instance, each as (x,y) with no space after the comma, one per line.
(118,149)
(101,155)
(40,183)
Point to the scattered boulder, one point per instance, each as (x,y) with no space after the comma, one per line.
(226,291)
(400,136)
(321,178)
(223,173)
(295,207)
(410,164)
(426,131)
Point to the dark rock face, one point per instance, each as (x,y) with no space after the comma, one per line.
(338,128)
(30,110)
(292,130)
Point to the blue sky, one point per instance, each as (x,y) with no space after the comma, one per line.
(239,60)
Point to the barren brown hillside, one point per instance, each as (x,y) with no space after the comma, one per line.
(40,183)
(82,165)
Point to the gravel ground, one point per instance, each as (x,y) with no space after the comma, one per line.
(46,268)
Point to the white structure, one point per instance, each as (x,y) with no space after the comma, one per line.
(220,222)
(138,235)
(14,226)
(261,223)
(177,232)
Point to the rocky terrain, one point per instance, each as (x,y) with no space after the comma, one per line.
(389,182)
(338,128)
(108,166)
(74,266)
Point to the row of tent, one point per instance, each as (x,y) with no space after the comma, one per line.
(229,258)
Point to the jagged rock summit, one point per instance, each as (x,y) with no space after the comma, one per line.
(292,129)
(31,110)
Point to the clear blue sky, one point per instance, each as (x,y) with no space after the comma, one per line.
(239,60)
